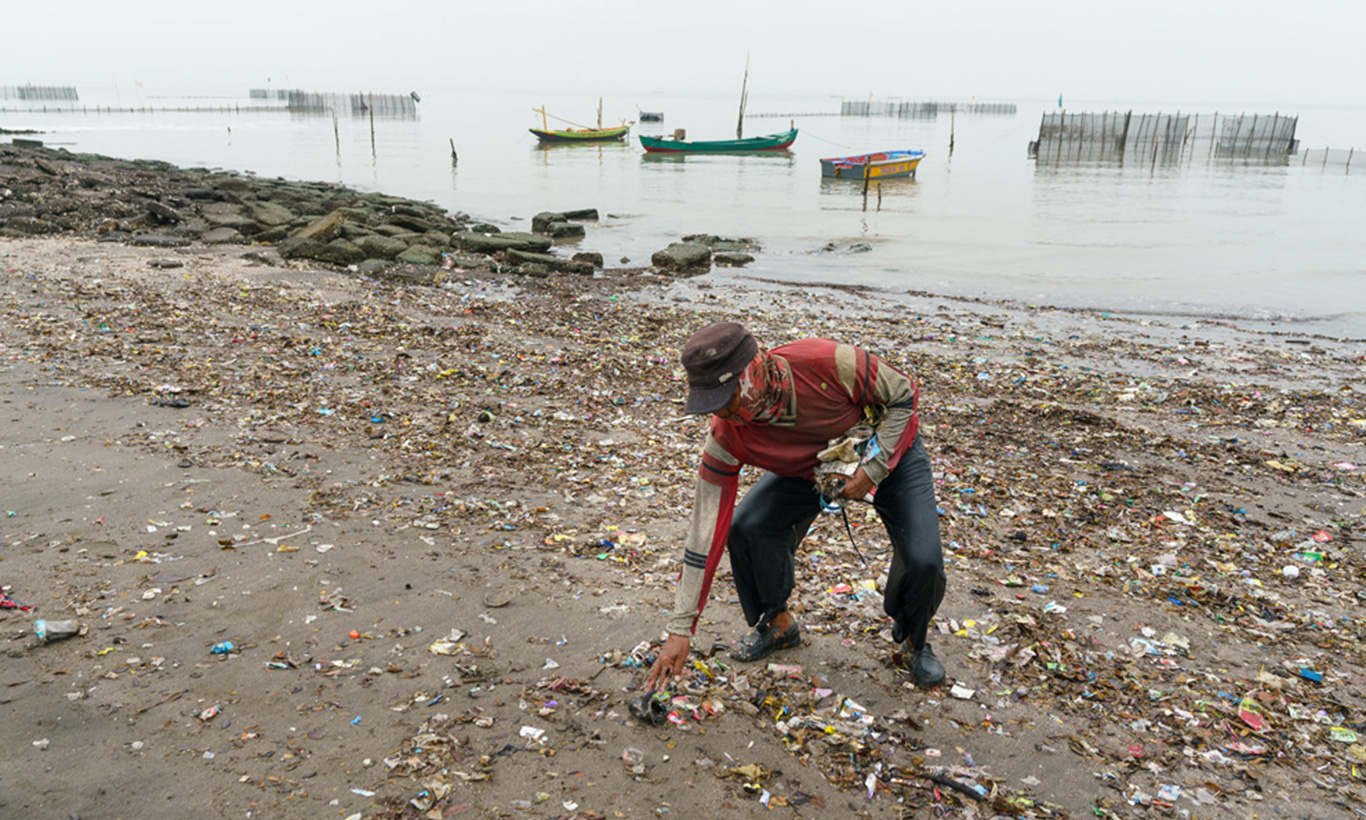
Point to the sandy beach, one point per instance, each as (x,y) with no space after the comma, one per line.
(350,547)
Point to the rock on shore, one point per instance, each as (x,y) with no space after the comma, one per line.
(149,203)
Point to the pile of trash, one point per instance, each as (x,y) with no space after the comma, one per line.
(1153,544)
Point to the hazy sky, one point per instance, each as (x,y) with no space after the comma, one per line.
(1302,53)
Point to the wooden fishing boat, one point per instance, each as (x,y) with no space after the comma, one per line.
(879,166)
(581,134)
(578,133)
(652,116)
(669,145)
(740,145)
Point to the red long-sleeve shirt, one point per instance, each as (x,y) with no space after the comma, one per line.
(832,384)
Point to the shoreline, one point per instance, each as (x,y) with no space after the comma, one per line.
(276,454)
(1162,299)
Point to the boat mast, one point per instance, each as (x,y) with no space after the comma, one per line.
(599,113)
(744,97)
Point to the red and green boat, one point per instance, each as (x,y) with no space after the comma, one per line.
(746,145)
(770,142)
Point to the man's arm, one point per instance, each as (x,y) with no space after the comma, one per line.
(897,394)
(713,504)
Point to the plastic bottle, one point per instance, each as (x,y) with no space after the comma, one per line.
(49,631)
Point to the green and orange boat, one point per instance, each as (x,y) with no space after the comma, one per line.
(578,133)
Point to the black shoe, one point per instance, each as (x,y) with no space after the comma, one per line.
(653,709)
(925,667)
(763,641)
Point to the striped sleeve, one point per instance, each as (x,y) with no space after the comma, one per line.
(713,504)
(870,381)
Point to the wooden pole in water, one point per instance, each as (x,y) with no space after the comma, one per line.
(1189,131)
(336,135)
(953,110)
(372,125)
(1157,140)
(454,158)
(744,91)
(1124,137)
(1171,129)
(1062,126)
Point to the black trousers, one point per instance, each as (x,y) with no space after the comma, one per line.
(774,516)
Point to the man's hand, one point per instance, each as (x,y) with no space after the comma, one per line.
(669,664)
(858,485)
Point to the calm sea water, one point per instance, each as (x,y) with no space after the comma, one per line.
(1267,245)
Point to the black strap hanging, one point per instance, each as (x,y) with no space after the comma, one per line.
(849,528)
